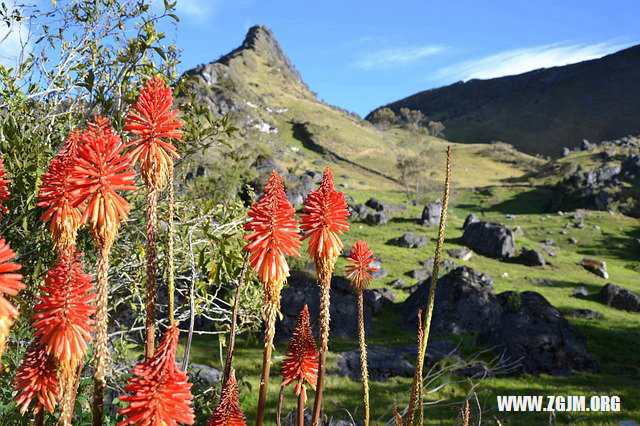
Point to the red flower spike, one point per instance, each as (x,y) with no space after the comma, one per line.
(62,320)
(4,188)
(161,391)
(228,412)
(358,271)
(301,358)
(274,235)
(100,171)
(36,377)
(10,284)
(325,220)
(56,195)
(153,121)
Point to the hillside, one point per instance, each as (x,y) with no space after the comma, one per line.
(543,110)
(281,118)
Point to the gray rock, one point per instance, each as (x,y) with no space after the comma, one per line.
(565,152)
(470,219)
(548,242)
(376,219)
(586,314)
(464,303)
(549,250)
(431,214)
(572,241)
(462,253)
(543,282)
(420,274)
(292,418)
(398,283)
(536,336)
(380,272)
(532,257)
(382,365)
(375,204)
(620,298)
(580,292)
(518,231)
(209,375)
(446,266)
(490,239)
(595,266)
(379,298)
(411,240)
(358,211)
(564,232)
(579,225)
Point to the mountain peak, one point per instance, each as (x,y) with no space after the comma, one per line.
(261,40)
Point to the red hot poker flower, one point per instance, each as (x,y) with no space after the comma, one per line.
(100,171)
(10,284)
(301,358)
(56,196)
(153,121)
(36,377)
(4,188)
(228,412)
(62,321)
(161,391)
(360,259)
(325,220)
(274,235)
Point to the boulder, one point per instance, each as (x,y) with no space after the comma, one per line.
(410,240)
(619,298)
(462,253)
(382,365)
(549,250)
(379,298)
(420,274)
(398,284)
(208,375)
(300,187)
(572,241)
(303,289)
(595,266)
(470,219)
(446,266)
(380,272)
(532,257)
(375,204)
(580,292)
(358,211)
(465,303)
(431,214)
(376,219)
(536,336)
(490,239)
(585,313)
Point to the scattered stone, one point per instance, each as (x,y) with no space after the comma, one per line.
(420,274)
(564,152)
(446,266)
(431,215)
(595,266)
(559,213)
(536,336)
(379,298)
(376,219)
(572,241)
(564,232)
(411,240)
(580,225)
(577,215)
(596,227)
(620,298)
(543,282)
(380,272)
(580,292)
(399,284)
(462,253)
(375,204)
(532,257)
(490,239)
(470,219)
(585,313)
(381,365)
(518,231)
(548,242)
(549,250)
(358,211)
(511,217)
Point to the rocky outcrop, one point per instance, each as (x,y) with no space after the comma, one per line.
(595,266)
(410,240)
(489,239)
(431,215)
(532,257)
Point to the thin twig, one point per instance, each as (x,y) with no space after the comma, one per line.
(234,320)
(279,412)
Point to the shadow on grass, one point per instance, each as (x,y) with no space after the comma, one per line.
(622,245)
(538,200)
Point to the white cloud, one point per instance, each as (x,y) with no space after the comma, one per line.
(394,56)
(517,61)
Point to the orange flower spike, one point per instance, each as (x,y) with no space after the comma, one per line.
(100,171)
(325,220)
(63,315)
(301,358)
(228,412)
(152,120)
(4,188)
(10,284)
(274,234)
(161,391)
(359,270)
(36,377)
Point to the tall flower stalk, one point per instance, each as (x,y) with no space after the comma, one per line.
(152,121)
(358,272)
(325,219)
(100,170)
(301,361)
(228,412)
(273,235)
(415,400)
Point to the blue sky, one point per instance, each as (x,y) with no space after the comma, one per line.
(362,54)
